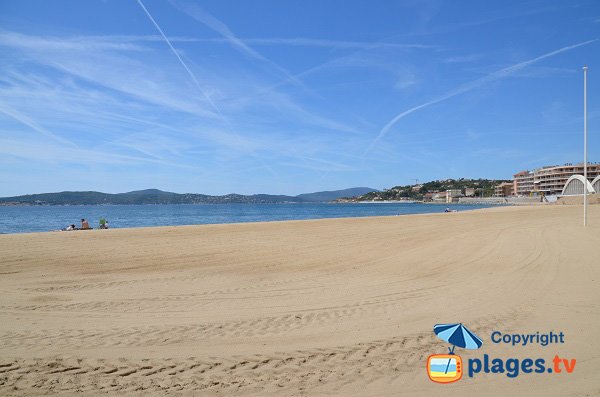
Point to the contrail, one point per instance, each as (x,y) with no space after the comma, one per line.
(192,76)
(222,29)
(33,125)
(198,84)
(215,24)
(306,42)
(471,86)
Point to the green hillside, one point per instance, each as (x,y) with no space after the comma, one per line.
(416,192)
(155,196)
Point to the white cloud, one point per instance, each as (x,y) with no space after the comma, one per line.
(227,37)
(463,58)
(339,44)
(221,28)
(110,102)
(406,78)
(49,43)
(21,118)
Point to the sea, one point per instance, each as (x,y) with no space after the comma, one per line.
(27,219)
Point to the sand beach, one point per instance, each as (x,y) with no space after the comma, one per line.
(299,308)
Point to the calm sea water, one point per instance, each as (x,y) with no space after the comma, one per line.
(46,218)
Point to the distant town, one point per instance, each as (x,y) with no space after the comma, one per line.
(526,186)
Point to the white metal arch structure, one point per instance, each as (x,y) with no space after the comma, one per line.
(575,184)
(596,184)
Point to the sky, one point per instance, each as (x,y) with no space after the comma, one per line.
(288,97)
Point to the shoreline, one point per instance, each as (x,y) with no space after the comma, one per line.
(267,221)
(237,203)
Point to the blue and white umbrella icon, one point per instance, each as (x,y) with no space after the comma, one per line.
(457,335)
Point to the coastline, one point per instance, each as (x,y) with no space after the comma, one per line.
(287,221)
(328,306)
(54,218)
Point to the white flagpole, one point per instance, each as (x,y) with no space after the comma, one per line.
(585,145)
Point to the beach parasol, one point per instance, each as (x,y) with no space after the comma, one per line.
(457,335)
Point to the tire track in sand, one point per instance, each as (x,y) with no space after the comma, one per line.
(296,370)
(160,335)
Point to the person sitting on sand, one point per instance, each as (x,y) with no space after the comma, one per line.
(103,223)
(85,224)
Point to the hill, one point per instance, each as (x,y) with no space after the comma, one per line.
(155,196)
(335,194)
(149,196)
(417,192)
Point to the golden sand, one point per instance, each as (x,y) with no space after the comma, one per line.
(325,307)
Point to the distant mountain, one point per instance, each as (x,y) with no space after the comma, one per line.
(155,196)
(149,196)
(335,194)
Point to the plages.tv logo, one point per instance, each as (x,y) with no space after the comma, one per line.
(448,368)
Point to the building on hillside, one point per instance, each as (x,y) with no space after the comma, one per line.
(439,197)
(523,183)
(427,197)
(550,180)
(505,189)
(470,192)
(452,195)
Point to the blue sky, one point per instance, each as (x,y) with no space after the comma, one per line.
(290,96)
